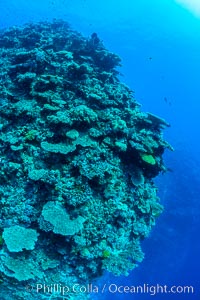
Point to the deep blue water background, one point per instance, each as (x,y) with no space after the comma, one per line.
(159,42)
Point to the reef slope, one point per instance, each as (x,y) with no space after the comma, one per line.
(77,161)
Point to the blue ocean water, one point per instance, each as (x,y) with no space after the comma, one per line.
(159,43)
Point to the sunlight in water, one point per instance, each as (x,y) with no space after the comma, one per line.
(192,5)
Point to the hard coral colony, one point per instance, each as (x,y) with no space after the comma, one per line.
(77,161)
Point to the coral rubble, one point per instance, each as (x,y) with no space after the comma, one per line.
(78,158)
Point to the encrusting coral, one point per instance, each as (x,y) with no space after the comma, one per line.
(77,161)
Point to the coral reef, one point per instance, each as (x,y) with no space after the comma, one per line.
(78,158)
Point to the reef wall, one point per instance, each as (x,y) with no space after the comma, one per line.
(77,159)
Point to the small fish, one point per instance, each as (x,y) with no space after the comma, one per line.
(167,101)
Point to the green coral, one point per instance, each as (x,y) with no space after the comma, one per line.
(1,240)
(31,135)
(148,158)
(106,253)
